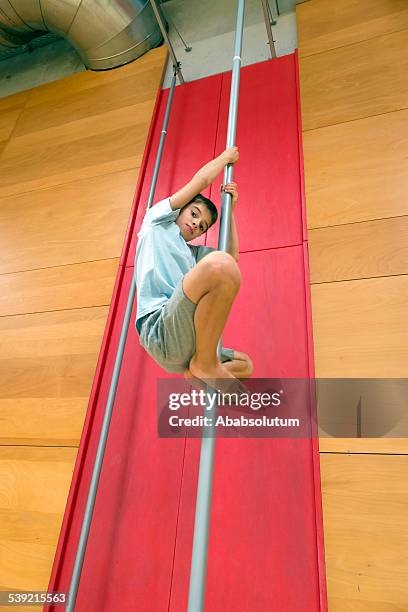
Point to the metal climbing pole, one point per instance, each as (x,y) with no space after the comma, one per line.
(205,477)
(90,504)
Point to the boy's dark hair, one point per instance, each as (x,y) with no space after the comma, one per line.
(208,203)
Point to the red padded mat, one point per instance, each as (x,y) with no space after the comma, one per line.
(266,545)
(268,212)
(262,553)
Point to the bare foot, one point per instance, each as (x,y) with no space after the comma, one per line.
(196,382)
(213,372)
(216,376)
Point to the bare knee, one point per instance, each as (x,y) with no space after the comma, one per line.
(222,269)
(217,271)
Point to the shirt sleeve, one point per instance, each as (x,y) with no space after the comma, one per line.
(161,212)
(200,251)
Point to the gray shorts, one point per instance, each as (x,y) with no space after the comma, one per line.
(168,334)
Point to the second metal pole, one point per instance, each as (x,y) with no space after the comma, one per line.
(166,37)
(93,488)
(266,12)
(162,139)
(205,477)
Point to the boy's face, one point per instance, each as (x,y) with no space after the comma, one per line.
(193,220)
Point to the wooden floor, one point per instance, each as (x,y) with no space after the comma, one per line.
(354,95)
(70,153)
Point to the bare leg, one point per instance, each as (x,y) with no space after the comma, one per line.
(213,285)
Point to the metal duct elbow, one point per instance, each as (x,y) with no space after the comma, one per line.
(105,33)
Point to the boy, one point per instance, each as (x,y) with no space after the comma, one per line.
(185,292)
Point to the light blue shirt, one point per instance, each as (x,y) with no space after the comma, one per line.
(163,257)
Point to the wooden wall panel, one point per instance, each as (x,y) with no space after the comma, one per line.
(58,288)
(70,223)
(83,81)
(34,485)
(359,250)
(354,81)
(47,363)
(70,152)
(366,532)
(87,125)
(354,94)
(359,328)
(357,171)
(347,22)
(126,92)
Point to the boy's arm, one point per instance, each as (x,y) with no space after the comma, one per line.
(233,248)
(233,245)
(203,178)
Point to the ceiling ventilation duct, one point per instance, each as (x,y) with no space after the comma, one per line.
(105,33)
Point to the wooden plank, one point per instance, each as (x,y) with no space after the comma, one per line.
(59,288)
(33,490)
(389,446)
(323,26)
(47,362)
(42,421)
(132,116)
(366,533)
(11,108)
(359,250)
(8,120)
(359,328)
(354,81)
(95,155)
(357,171)
(120,93)
(15,101)
(79,221)
(89,79)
